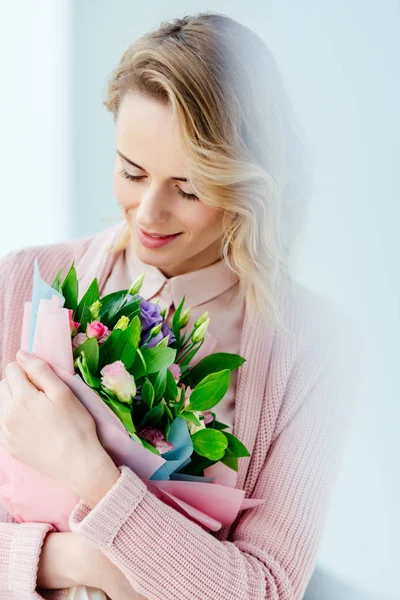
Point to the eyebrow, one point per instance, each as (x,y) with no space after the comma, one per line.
(139,167)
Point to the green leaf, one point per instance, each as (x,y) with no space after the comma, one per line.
(69,289)
(147,393)
(110,350)
(175,322)
(111,303)
(213,363)
(90,348)
(123,412)
(86,317)
(209,391)
(218,425)
(181,399)
(154,415)
(160,383)
(130,309)
(189,416)
(147,445)
(129,341)
(235,445)
(57,283)
(91,295)
(171,389)
(158,358)
(88,378)
(192,353)
(167,410)
(139,367)
(197,464)
(230,460)
(210,443)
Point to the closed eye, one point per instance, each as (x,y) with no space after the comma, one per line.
(130,177)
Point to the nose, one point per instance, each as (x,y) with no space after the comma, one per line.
(152,208)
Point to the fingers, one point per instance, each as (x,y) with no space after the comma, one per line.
(6,404)
(5,399)
(41,375)
(20,386)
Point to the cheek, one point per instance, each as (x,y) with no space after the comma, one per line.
(206,219)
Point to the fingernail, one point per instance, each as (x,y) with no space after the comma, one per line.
(22,355)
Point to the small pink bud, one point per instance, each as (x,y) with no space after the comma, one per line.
(188,391)
(208,417)
(78,340)
(176,371)
(74,325)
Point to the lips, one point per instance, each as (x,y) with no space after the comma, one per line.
(154,242)
(159,235)
(153,235)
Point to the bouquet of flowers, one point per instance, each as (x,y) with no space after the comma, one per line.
(151,400)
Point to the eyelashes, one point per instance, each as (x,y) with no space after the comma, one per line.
(137,178)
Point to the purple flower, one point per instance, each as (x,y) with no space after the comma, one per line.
(156,438)
(149,314)
(150,317)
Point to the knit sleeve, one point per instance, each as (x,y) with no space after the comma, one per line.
(20,543)
(20,547)
(272,551)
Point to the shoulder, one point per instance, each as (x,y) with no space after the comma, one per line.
(16,268)
(16,278)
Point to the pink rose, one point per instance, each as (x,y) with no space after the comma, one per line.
(97,330)
(118,380)
(176,371)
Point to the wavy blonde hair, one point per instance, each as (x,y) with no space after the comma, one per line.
(245,152)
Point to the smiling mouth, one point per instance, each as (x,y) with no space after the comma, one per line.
(158,235)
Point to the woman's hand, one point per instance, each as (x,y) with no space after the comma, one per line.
(45,426)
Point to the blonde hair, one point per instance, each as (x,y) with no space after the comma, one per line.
(245,152)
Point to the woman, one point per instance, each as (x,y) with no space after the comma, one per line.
(207,154)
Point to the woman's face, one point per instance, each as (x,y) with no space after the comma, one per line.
(148,136)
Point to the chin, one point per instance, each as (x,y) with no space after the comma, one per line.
(152,256)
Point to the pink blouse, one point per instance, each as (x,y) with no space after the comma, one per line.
(211,288)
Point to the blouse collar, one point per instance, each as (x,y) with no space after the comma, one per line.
(197,287)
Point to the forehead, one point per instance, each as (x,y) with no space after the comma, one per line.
(148,134)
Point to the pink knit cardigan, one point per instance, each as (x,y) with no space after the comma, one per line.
(293,403)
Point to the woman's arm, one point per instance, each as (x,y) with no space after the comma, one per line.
(40,563)
(68,559)
(273,549)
